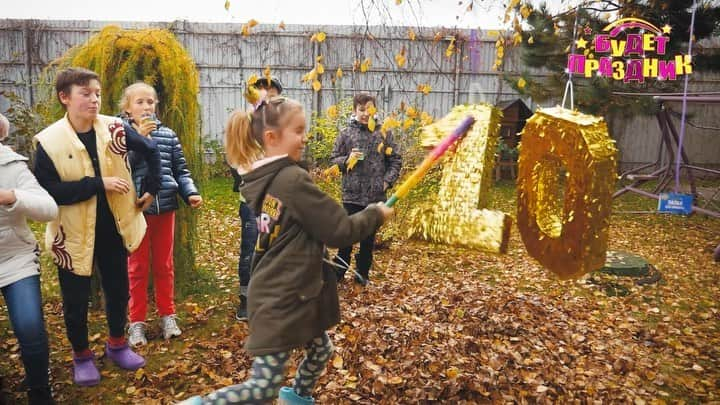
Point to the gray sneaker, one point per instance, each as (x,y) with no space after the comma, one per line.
(136,332)
(241,314)
(169,326)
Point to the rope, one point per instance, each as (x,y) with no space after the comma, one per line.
(678,156)
(345,266)
(569,84)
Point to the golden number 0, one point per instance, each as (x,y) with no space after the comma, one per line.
(571,239)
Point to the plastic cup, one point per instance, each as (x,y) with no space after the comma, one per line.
(362,154)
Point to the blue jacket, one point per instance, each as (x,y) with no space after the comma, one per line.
(174,173)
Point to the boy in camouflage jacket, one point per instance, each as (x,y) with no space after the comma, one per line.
(370,164)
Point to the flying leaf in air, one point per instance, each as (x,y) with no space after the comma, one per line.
(365,65)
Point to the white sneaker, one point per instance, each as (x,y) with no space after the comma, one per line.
(169,326)
(136,331)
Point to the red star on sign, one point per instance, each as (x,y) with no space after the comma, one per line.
(588,30)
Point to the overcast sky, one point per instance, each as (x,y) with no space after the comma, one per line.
(449,13)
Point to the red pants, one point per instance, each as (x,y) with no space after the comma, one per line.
(158,239)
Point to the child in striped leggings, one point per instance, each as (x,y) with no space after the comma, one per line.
(268,374)
(292,295)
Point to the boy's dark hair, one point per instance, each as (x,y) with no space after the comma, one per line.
(362,99)
(73,76)
(262,83)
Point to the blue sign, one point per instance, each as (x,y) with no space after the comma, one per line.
(675,203)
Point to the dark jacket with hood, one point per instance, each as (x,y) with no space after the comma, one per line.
(292,298)
(175,176)
(363,184)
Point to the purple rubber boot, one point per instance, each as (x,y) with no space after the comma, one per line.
(124,357)
(84,370)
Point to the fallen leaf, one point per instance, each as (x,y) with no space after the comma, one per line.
(525,11)
(337,362)
(400,58)
(396,380)
(424,88)
(411,34)
(365,65)
(318,37)
(450,50)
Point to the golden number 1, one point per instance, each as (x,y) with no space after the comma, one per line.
(457,215)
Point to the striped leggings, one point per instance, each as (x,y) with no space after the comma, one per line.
(268,374)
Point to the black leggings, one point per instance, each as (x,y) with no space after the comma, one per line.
(111,260)
(365,255)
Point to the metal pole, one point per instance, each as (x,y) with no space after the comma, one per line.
(684,104)
(456,83)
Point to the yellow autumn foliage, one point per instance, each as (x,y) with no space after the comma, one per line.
(424,88)
(155,56)
(390,123)
(411,112)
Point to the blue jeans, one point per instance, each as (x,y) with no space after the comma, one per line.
(24,305)
(247,245)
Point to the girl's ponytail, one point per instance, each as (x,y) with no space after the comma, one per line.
(245,129)
(241,147)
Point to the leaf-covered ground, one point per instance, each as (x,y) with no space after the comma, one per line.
(444,324)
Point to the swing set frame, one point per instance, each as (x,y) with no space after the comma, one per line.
(664,169)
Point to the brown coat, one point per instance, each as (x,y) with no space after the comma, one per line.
(292,297)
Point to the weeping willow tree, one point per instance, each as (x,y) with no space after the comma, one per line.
(154,56)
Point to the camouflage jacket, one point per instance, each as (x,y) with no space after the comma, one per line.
(364,183)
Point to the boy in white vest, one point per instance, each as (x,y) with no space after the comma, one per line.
(81,160)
